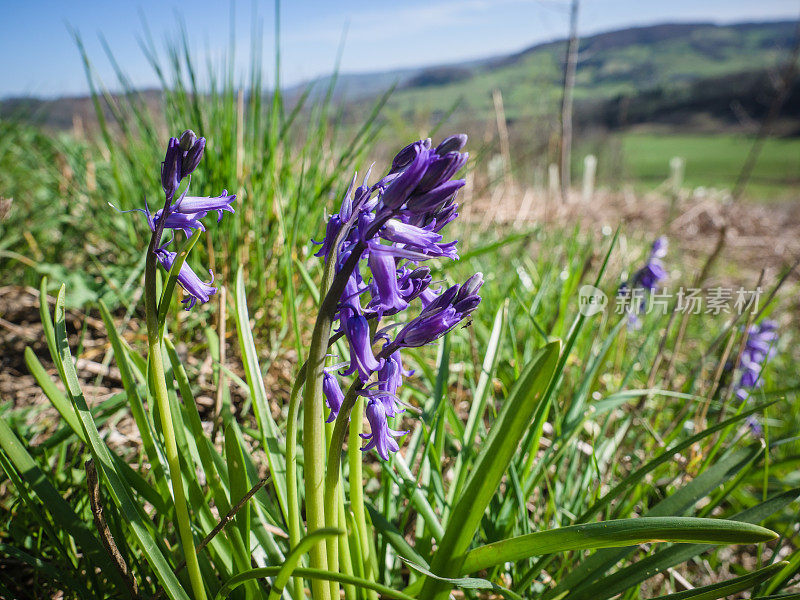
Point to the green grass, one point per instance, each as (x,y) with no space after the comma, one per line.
(711,160)
(541,437)
(714,161)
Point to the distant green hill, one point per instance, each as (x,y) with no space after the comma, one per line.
(665,72)
(619,63)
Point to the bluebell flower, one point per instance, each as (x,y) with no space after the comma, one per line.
(381,436)
(759,348)
(362,359)
(333,394)
(188,279)
(646,281)
(182,157)
(441,315)
(390,227)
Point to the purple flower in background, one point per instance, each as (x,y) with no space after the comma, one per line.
(392,227)
(759,348)
(644,281)
(188,279)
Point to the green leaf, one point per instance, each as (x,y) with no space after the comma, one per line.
(492,462)
(237,580)
(60,510)
(615,534)
(395,538)
(119,488)
(662,560)
(267,427)
(468,583)
(239,486)
(727,588)
(678,503)
(135,402)
(291,562)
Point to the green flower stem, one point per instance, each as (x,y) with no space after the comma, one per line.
(295,527)
(162,401)
(331,287)
(333,475)
(350,592)
(355,462)
(332,515)
(313,418)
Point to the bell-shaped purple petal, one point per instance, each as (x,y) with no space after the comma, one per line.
(197,204)
(333,394)
(188,279)
(436,198)
(381,437)
(417,239)
(403,185)
(187,223)
(356,329)
(387,300)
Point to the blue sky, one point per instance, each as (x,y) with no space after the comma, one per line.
(40,58)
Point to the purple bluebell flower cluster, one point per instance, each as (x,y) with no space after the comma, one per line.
(758,349)
(183,213)
(379,239)
(644,281)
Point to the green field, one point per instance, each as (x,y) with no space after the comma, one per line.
(713,161)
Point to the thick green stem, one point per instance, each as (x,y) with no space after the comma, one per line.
(333,475)
(314,455)
(355,461)
(295,527)
(162,401)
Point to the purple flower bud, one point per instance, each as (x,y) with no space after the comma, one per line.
(441,169)
(436,198)
(191,157)
(380,437)
(454,143)
(171,168)
(188,279)
(441,315)
(403,185)
(412,283)
(405,156)
(356,329)
(333,394)
(187,140)
(469,288)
